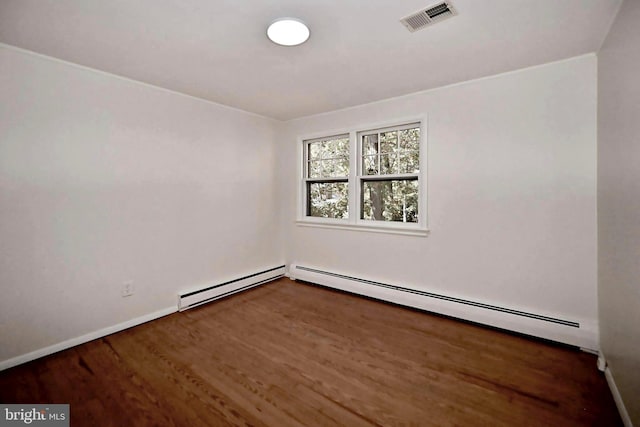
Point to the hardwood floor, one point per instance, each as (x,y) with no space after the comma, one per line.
(288,354)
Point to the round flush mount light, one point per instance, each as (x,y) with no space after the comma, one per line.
(288,32)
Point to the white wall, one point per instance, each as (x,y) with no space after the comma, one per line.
(104,180)
(512,193)
(619,203)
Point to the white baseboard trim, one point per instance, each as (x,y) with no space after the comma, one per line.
(626,419)
(555,327)
(18,360)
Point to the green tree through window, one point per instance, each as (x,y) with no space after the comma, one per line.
(381,184)
(390,169)
(327,176)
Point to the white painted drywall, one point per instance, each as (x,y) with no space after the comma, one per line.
(104,180)
(512,193)
(619,203)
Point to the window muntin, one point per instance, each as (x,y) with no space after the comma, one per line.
(327,177)
(389,174)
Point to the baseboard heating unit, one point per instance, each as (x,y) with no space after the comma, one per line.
(576,332)
(194,298)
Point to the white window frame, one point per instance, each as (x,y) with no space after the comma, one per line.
(354,222)
(307,180)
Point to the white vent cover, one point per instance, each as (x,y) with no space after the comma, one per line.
(428,16)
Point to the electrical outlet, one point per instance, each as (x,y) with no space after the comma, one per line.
(127,288)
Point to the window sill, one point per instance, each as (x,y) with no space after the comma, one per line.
(405,231)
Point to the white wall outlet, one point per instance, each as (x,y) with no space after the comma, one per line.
(127,288)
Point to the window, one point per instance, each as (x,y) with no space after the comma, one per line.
(389,174)
(327,177)
(368,179)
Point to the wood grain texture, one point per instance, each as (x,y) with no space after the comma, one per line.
(290,354)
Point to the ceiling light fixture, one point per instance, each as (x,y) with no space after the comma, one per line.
(288,32)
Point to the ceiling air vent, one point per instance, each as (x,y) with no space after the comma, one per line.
(428,16)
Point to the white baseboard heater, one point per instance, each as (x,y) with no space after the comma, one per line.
(578,333)
(191,299)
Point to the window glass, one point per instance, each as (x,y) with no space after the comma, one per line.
(327,171)
(390,200)
(395,154)
(387,179)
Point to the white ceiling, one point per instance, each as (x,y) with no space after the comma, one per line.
(358,51)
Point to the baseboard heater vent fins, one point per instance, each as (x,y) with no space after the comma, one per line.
(493,308)
(191,299)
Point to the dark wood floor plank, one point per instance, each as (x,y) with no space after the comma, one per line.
(291,354)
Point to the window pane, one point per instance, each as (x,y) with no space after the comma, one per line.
(410,162)
(370,144)
(370,165)
(328,199)
(410,139)
(335,148)
(313,169)
(315,150)
(390,200)
(389,142)
(328,168)
(342,167)
(341,146)
(388,163)
(334,168)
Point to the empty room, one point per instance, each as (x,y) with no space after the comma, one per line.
(318,213)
